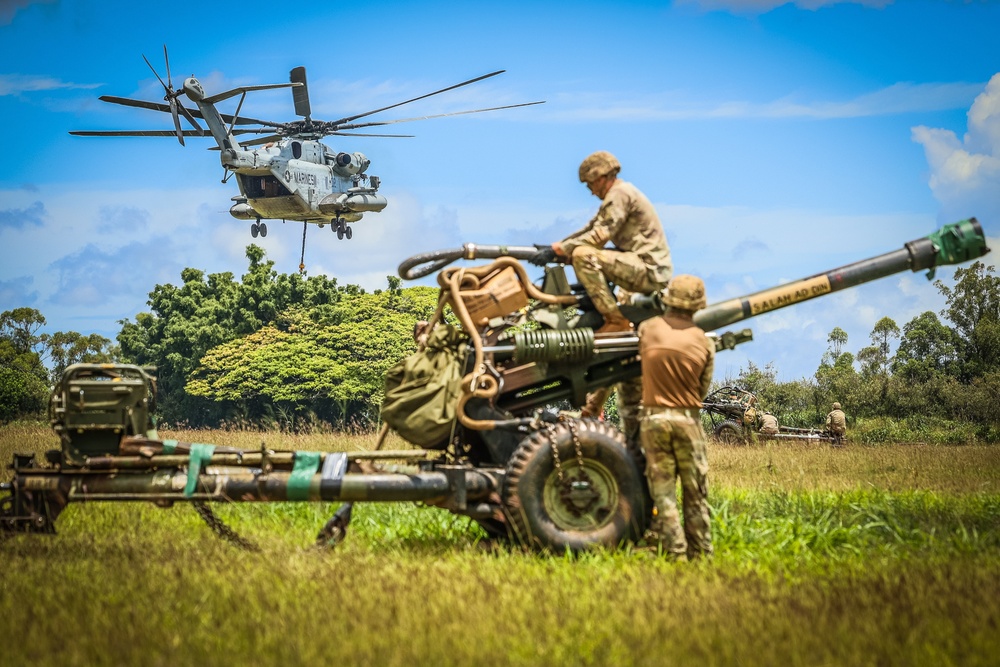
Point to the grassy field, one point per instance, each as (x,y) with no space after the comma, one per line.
(867,555)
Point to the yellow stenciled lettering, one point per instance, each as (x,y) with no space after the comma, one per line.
(786,295)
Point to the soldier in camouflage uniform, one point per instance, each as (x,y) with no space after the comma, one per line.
(769,424)
(836,424)
(677,364)
(638,262)
(640,259)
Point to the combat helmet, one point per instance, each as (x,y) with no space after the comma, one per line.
(836,406)
(598,164)
(685,292)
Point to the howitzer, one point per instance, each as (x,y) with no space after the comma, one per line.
(506,458)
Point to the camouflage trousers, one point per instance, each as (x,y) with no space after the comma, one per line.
(674,443)
(629,400)
(595,267)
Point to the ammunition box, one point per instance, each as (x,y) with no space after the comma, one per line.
(501,294)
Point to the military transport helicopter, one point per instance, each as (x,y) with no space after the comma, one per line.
(292,175)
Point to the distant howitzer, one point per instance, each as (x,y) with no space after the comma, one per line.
(506,457)
(735,415)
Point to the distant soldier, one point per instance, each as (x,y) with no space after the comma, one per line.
(640,259)
(677,364)
(836,424)
(769,424)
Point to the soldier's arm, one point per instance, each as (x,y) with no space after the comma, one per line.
(706,373)
(609,218)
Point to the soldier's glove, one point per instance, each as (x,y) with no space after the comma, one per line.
(545,255)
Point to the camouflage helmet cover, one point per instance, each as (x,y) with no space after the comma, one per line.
(686,292)
(836,406)
(598,164)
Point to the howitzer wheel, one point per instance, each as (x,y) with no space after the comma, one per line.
(729,432)
(595,497)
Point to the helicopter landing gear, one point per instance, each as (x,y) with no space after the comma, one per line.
(258,228)
(340,227)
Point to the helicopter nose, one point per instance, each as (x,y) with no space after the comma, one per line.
(193,89)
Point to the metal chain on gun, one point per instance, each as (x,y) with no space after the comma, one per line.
(221,529)
(576,444)
(555,454)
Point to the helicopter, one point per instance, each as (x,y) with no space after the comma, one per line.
(288,174)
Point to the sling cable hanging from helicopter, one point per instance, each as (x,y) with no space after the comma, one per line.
(302,257)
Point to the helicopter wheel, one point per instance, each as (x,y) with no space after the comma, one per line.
(348,232)
(254,230)
(263,230)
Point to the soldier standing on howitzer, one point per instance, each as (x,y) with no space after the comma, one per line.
(638,262)
(836,424)
(677,364)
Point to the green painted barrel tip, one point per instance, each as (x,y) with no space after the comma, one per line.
(958,242)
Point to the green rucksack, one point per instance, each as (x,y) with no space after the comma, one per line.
(421,391)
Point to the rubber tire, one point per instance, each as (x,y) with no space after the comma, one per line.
(348,233)
(532,466)
(263,230)
(729,432)
(340,233)
(254,230)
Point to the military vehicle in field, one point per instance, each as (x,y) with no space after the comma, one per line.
(735,416)
(480,401)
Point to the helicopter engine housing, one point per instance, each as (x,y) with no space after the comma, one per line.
(349,164)
(243,211)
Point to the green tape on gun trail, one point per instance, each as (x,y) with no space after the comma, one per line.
(200,454)
(306,465)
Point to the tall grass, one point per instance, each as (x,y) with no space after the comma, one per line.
(875,555)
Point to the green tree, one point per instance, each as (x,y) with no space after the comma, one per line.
(973,307)
(65,348)
(209,310)
(23,387)
(927,348)
(330,368)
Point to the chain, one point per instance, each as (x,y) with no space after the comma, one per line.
(576,444)
(221,529)
(555,455)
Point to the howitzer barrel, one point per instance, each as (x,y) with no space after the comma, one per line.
(952,244)
(169,485)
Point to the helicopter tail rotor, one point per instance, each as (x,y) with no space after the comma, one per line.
(170,97)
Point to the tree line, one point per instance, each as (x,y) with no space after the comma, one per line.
(926,369)
(292,351)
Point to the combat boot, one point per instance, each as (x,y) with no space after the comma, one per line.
(614,324)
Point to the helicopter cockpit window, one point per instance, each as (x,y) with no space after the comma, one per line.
(296,150)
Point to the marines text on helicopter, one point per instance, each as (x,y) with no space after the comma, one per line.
(292,175)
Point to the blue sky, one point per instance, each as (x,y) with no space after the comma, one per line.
(777,140)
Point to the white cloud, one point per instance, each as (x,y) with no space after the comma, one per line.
(901,97)
(965,173)
(14,84)
(764,6)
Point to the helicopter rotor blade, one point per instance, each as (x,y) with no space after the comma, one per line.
(300,94)
(351,126)
(157,106)
(190,118)
(357,134)
(177,120)
(165,87)
(399,104)
(260,140)
(136,133)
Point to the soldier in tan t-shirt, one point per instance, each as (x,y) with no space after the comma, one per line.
(677,364)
